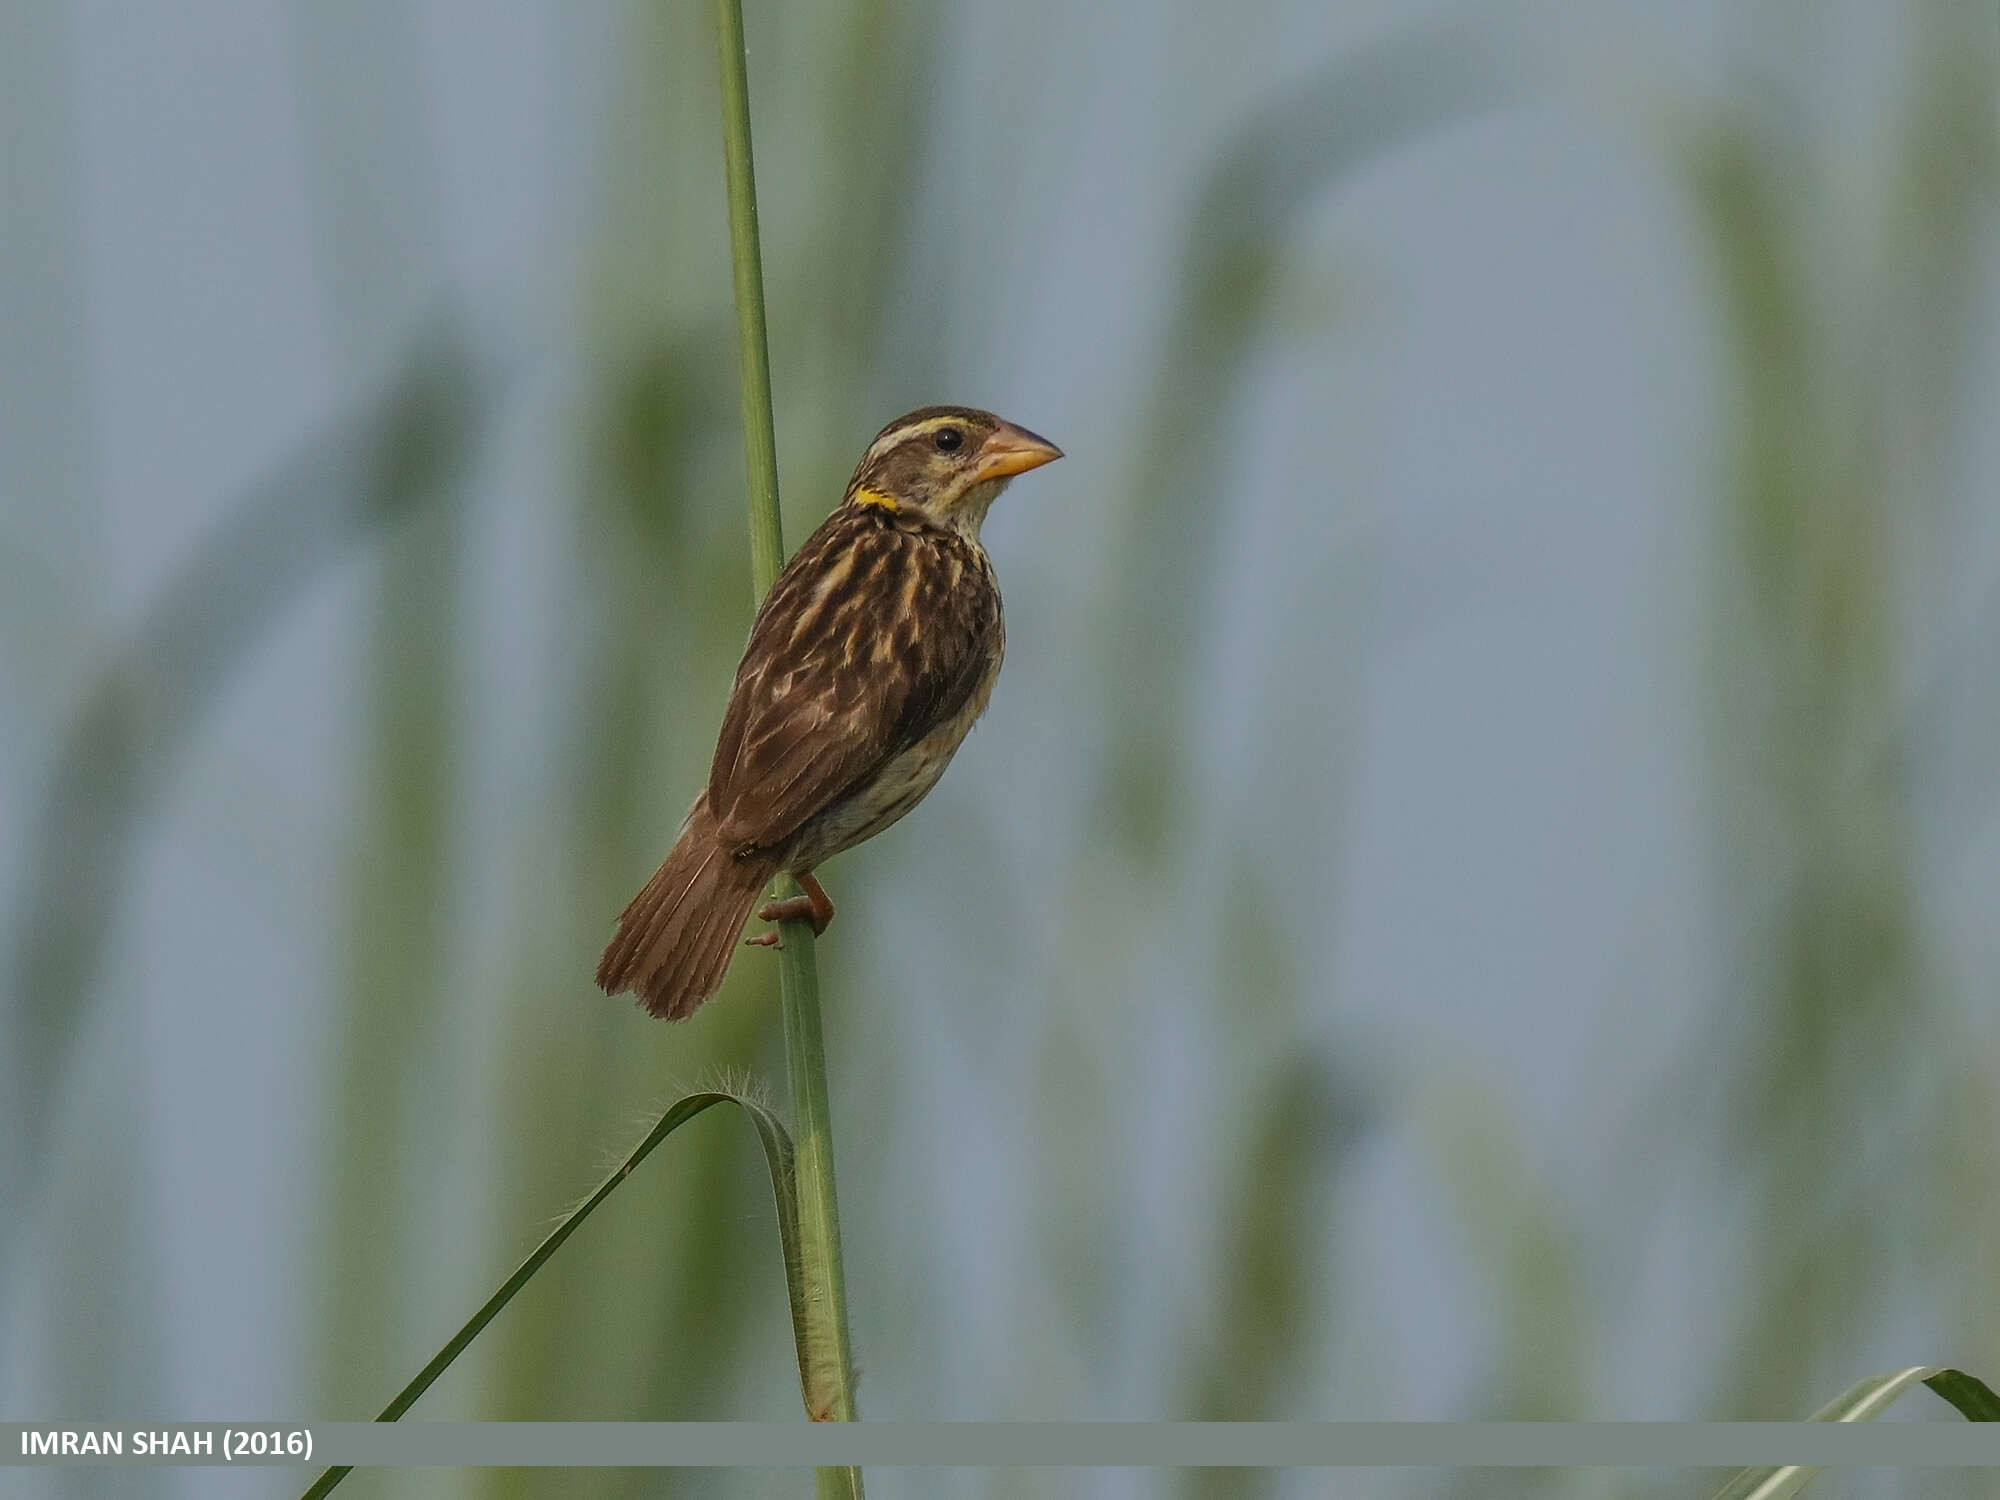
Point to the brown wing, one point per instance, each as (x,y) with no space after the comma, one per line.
(872,635)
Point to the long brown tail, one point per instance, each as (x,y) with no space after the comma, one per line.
(676,939)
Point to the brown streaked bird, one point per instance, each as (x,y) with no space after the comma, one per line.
(871,657)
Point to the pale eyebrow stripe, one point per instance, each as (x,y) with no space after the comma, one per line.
(901,435)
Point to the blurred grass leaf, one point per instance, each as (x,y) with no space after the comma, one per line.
(1514,1228)
(1300,1132)
(363,473)
(1844,312)
(1340,119)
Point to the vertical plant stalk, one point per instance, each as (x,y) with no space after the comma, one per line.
(753,344)
(830,1392)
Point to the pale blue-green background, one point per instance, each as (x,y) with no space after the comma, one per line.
(1478,894)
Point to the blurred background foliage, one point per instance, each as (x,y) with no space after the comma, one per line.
(1475,897)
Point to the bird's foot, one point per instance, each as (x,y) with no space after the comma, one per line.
(815,906)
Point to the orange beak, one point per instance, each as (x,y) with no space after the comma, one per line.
(1012,450)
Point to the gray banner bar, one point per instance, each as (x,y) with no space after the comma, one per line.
(1944,1444)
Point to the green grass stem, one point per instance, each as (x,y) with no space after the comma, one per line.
(753,345)
(805,1050)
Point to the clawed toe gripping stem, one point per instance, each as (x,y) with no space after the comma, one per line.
(814,906)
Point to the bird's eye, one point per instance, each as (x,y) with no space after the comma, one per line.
(948,439)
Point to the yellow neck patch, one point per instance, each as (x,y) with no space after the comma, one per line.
(876,500)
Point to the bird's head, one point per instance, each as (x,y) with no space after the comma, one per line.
(944,465)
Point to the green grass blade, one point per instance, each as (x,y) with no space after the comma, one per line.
(778,1155)
(1972,1396)
(1863,1402)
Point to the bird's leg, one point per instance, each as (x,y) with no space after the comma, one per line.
(815,906)
(822,903)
